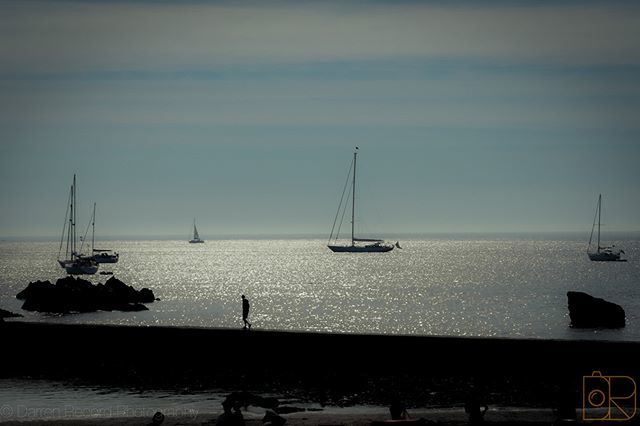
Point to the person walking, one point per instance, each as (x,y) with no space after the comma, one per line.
(245,312)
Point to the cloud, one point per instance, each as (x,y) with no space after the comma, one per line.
(78,36)
(462,94)
(471,64)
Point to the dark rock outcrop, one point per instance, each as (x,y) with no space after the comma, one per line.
(72,294)
(146,296)
(33,287)
(587,311)
(273,419)
(8,314)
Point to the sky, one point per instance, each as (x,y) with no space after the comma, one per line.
(470,116)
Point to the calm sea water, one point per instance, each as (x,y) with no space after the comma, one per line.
(462,287)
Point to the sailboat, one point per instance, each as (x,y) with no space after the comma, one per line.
(74,263)
(602,254)
(196,237)
(100,255)
(372,245)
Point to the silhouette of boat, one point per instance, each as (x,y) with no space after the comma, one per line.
(100,255)
(372,245)
(602,253)
(74,263)
(196,236)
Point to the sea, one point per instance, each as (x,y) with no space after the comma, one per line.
(493,285)
(498,286)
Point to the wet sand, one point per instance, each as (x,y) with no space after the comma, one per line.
(348,417)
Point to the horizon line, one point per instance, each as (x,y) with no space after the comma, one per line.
(279,235)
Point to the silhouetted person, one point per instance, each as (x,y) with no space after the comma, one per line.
(245,312)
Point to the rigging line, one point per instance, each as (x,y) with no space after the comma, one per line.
(84,237)
(64,225)
(69,249)
(344,211)
(340,204)
(594,223)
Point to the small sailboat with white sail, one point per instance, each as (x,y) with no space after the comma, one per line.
(73,262)
(602,253)
(367,245)
(196,237)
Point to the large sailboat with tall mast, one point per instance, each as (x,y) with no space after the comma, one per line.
(371,245)
(73,262)
(602,253)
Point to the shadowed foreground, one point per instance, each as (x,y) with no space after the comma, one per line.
(332,369)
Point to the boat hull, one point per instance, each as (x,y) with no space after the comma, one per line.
(106,258)
(605,257)
(79,268)
(196,241)
(360,249)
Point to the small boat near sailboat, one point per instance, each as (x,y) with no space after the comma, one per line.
(602,253)
(196,237)
(73,262)
(371,245)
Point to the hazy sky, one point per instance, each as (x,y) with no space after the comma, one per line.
(470,115)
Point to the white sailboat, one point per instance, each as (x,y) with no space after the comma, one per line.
(73,262)
(196,236)
(372,245)
(100,255)
(602,253)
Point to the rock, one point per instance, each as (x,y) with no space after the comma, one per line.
(157,418)
(146,296)
(587,311)
(8,314)
(271,418)
(72,294)
(130,307)
(33,286)
(119,290)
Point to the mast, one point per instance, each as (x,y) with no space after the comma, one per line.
(69,249)
(93,225)
(599,215)
(353,199)
(73,219)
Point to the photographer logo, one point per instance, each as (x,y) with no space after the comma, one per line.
(608,398)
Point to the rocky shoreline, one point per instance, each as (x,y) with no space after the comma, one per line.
(70,294)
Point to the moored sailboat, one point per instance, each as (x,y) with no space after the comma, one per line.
(371,245)
(73,262)
(100,255)
(602,253)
